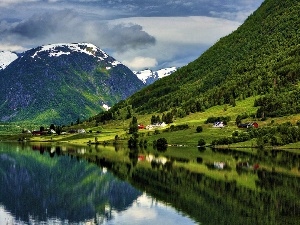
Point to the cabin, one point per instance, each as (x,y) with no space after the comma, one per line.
(81,131)
(219,124)
(248,125)
(141,126)
(37,132)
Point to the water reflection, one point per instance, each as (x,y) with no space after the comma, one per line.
(46,186)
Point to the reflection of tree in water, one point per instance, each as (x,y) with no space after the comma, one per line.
(60,186)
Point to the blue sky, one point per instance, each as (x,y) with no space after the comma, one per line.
(141,34)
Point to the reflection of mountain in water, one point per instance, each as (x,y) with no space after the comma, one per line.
(59,187)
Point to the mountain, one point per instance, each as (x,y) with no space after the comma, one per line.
(148,76)
(60,83)
(6,58)
(261,57)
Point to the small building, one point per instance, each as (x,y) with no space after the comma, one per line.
(141,126)
(81,131)
(219,124)
(37,132)
(248,125)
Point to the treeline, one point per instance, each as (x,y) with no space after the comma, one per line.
(275,135)
(279,104)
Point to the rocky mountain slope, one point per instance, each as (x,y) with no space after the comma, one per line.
(60,83)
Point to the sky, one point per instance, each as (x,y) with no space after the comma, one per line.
(141,34)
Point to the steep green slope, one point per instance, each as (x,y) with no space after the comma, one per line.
(261,56)
(61,83)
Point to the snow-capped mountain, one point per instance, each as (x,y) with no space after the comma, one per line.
(60,83)
(6,57)
(148,76)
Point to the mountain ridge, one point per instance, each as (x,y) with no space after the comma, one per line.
(58,83)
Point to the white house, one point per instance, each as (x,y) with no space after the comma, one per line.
(219,124)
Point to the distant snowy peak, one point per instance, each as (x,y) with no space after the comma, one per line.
(148,76)
(144,74)
(6,57)
(57,50)
(166,72)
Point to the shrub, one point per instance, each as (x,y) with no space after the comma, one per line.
(199,129)
(161,144)
(201,142)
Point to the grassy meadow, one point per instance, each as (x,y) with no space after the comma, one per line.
(107,133)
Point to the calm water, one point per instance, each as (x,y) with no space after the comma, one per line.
(49,184)
(46,186)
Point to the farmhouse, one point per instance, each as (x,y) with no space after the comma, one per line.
(247,125)
(219,124)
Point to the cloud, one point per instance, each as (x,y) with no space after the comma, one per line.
(140,33)
(138,63)
(5,3)
(179,40)
(69,26)
(123,37)
(12,48)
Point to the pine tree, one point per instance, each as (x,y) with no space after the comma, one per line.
(133,127)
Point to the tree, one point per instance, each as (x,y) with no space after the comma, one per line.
(58,130)
(201,142)
(199,129)
(52,127)
(133,126)
(168,118)
(162,144)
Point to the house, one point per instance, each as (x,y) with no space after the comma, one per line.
(219,124)
(37,132)
(155,126)
(141,126)
(219,165)
(247,125)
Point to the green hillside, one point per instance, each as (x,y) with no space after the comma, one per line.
(262,57)
(75,84)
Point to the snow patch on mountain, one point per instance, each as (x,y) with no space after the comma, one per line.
(106,107)
(6,57)
(166,72)
(148,76)
(56,50)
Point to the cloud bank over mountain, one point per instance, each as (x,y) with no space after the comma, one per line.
(143,33)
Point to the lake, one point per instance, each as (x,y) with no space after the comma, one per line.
(61,184)
(42,185)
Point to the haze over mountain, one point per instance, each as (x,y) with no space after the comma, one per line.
(262,57)
(60,83)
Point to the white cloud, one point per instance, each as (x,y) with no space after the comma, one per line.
(178,39)
(11,47)
(6,3)
(138,63)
